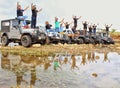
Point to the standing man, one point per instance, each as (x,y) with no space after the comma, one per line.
(90,30)
(94,28)
(107,28)
(19,10)
(67,25)
(85,26)
(75,19)
(34,15)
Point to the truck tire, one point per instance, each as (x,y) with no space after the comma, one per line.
(65,38)
(92,41)
(102,42)
(80,41)
(110,41)
(26,41)
(69,41)
(4,40)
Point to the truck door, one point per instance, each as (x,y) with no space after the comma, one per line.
(15,32)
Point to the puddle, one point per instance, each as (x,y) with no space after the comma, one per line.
(89,69)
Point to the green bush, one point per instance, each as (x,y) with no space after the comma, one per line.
(113,30)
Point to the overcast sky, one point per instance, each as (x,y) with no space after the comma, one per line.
(94,11)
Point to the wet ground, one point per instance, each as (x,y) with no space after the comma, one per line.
(89,69)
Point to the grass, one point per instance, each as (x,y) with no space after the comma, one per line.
(49,50)
(115,36)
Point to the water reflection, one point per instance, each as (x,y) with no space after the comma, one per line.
(25,67)
(47,63)
(73,63)
(83,58)
(106,57)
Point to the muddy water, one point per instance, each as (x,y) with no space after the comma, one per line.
(87,70)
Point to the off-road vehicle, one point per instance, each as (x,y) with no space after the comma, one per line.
(13,30)
(77,37)
(71,37)
(104,38)
(89,39)
(52,36)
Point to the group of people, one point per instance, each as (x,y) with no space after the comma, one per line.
(59,25)
(34,14)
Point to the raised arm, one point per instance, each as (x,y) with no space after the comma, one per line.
(62,20)
(40,10)
(32,6)
(79,17)
(55,17)
(26,8)
(18,5)
(70,22)
(110,25)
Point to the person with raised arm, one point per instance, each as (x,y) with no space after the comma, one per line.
(57,24)
(94,28)
(85,26)
(75,19)
(34,15)
(20,10)
(107,27)
(90,30)
(67,25)
(20,15)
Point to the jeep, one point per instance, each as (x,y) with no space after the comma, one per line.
(52,36)
(13,30)
(104,38)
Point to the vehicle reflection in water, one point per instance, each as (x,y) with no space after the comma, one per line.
(30,71)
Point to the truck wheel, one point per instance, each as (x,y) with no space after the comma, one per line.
(26,41)
(69,41)
(92,41)
(102,42)
(97,42)
(80,41)
(4,40)
(110,41)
